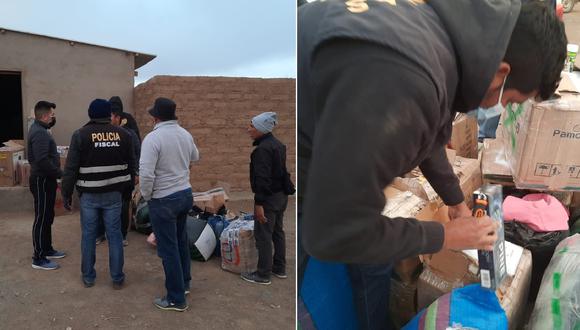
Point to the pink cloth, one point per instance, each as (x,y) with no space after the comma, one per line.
(540,212)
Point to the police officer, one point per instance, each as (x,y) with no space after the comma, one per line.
(101,164)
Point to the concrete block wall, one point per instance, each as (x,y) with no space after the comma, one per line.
(217,112)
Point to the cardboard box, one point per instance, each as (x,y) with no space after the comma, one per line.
(495,167)
(469,173)
(63,153)
(488,201)
(513,293)
(464,136)
(448,269)
(59,209)
(467,170)
(24,170)
(575,202)
(402,302)
(417,184)
(9,157)
(542,142)
(405,204)
(443,272)
(211,200)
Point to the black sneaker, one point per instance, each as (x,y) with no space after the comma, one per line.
(88,284)
(281,275)
(165,305)
(100,239)
(44,264)
(255,278)
(55,255)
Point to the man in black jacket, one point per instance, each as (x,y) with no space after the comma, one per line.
(44,171)
(267,174)
(101,164)
(130,122)
(379,83)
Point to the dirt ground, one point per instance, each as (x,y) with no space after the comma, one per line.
(37,299)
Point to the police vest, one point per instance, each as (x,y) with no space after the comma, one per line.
(105,155)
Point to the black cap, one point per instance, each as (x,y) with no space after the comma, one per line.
(44,105)
(116,105)
(163,109)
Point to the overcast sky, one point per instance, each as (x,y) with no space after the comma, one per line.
(190,37)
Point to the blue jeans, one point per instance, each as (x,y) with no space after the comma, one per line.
(168,217)
(371,286)
(109,205)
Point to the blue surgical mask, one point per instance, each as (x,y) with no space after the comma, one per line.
(498,108)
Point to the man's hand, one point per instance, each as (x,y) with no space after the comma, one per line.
(136,180)
(470,233)
(66,202)
(259,214)
(459,211)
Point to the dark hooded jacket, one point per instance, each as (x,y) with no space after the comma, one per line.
(378,86)
(117,107)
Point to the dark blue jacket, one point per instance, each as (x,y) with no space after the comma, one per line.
(42,155)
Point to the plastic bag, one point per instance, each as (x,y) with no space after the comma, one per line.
(541,245)
(522,235)
(141,218)
(218,223)
(470,307)
(558,303)
(201,239)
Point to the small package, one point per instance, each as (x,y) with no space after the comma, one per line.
(492,264)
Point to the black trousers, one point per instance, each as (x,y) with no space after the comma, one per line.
(124,218)
(44,192)
(272,233)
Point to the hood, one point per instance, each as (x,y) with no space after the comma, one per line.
(480,32)
(116,104)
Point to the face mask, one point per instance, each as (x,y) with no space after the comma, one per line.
(498,107)
(52,122)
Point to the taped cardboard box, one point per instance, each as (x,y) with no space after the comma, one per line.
(9,157)
(464,136)
(211,200)
(542,142)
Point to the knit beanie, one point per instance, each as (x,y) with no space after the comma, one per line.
(100,108)
(265,122)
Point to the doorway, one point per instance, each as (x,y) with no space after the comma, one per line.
(11,125)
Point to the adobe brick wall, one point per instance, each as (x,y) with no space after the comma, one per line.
(217,112)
